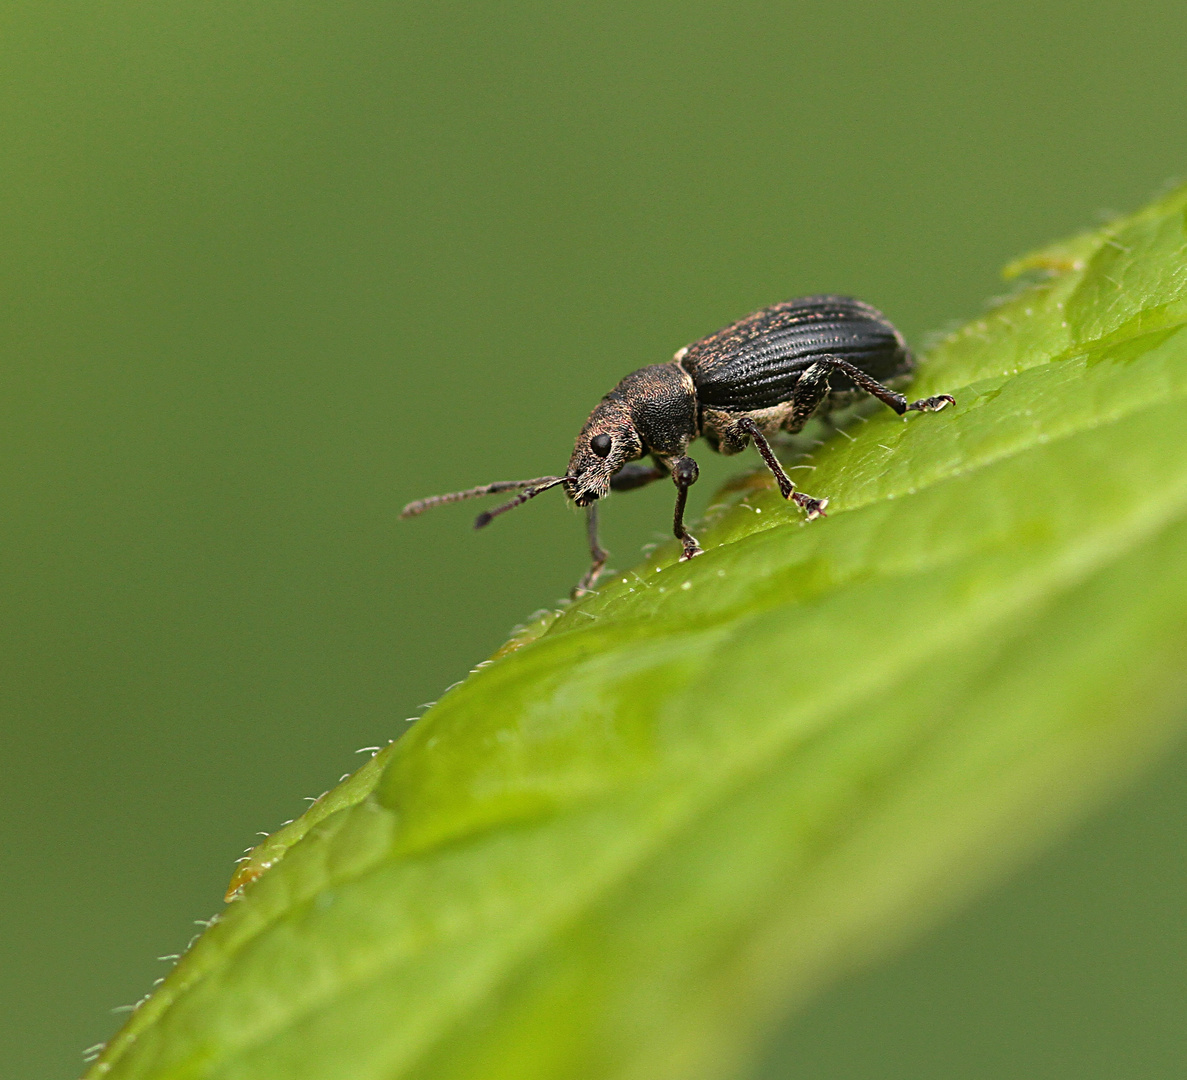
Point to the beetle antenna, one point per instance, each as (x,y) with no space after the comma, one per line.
(499,486)
(542,485)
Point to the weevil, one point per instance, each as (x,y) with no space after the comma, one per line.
(769,372)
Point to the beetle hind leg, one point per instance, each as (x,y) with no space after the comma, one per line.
(898,402)
(932,404)
(810,390)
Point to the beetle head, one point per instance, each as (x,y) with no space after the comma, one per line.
(607,442)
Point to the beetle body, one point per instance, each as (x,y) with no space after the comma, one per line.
(769,372)
(754,366)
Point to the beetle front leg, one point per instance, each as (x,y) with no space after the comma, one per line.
(635,475)
(684,475)
(598,554)
(813,507)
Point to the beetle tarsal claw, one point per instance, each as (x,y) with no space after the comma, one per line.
(932,404)
(814,508)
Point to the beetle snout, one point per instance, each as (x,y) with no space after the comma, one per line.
(606,442)
(587,487)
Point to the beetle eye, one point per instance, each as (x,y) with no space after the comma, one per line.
(600,444)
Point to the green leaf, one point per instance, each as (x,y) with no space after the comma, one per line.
(662,817)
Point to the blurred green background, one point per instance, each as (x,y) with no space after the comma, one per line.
(269,270)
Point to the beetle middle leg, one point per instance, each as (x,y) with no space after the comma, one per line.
(813,507)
